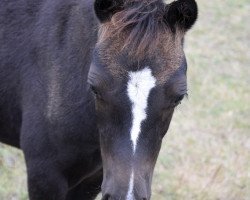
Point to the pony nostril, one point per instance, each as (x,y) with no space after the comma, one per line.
(106,197)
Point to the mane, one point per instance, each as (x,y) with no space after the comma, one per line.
(139,24)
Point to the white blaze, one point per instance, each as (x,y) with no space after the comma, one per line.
(139,86)
(130,195)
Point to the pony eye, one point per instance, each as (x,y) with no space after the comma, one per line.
(179,99)
(94,90)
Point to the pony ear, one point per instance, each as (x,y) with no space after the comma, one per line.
(105,9)
(182,13)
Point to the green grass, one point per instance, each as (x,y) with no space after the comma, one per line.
(12,174)
(206,153)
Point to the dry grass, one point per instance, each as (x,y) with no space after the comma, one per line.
(206,153)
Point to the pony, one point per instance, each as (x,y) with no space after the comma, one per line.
(88,89)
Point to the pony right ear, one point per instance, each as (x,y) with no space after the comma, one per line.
(105,9)
(182,13)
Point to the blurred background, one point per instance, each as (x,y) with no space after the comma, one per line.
(206,153)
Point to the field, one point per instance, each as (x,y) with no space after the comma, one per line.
(206,153)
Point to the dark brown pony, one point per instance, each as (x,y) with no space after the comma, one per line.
(88,90)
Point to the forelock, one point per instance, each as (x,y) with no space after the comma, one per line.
(139,29)
(139,26)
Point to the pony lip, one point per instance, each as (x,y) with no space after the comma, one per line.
(78,143)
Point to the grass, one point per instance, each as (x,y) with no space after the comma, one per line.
(206,153)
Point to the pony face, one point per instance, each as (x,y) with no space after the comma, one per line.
(138,77)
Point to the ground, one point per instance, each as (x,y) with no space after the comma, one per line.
(206,153)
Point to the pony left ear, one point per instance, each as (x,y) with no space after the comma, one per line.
(182,13)
(105,9)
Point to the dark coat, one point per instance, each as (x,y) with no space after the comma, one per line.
(46,108)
